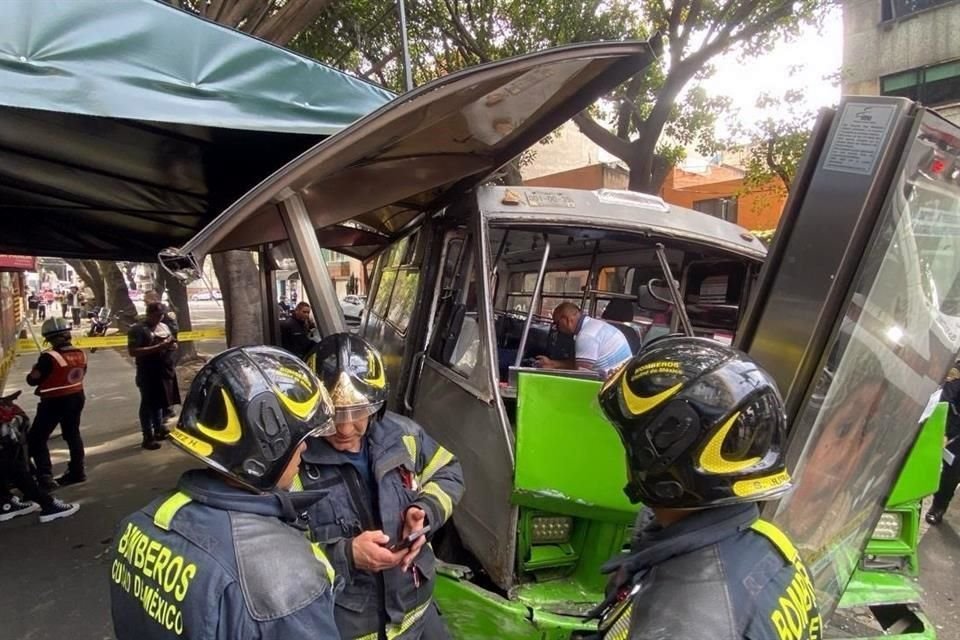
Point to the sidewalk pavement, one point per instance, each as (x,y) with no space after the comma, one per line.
(54,577)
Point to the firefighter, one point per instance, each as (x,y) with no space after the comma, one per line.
(224,556)
(387,480)
(58,376)
(704,431)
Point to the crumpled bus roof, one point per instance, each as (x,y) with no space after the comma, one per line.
(127,127)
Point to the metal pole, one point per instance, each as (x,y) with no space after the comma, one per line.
(674,291)
(591,278)
(268,295)
(313,270)
(534,301)
(407,71)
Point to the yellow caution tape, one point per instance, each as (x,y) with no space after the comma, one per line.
(27,345)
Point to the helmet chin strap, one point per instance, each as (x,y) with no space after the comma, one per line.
(290,514)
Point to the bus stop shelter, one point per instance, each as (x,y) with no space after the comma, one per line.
(125,128)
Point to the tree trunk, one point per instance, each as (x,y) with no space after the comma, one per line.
(93,280)
(648,170)
(118,296)
(239,283)
(177,294)
(96,282)
(89,272)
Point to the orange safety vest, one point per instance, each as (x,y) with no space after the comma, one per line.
(70,366)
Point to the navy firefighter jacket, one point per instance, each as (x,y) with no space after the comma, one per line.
(720,573)
(216,562)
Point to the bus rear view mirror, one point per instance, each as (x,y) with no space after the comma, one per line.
(181,266)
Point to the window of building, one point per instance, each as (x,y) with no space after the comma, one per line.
(934,85)
(723,208)
(896,9)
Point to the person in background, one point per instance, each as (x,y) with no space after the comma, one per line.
(47,301)
(295,331)
(224,555)
(950,472)
(15,471)
(58,376)
(74,302)
(600,346)
(170,319)
(704,431)
(153,345)
(33,305)
(62,301)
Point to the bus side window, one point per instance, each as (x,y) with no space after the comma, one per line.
(396,292)
(456,339)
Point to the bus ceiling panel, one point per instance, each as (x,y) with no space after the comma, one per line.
(598,210)
(440,140)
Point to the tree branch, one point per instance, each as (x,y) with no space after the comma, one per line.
(778,169)
(600,136)
(291,19)
(239,11)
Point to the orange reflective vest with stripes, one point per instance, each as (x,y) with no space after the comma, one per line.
(66,378)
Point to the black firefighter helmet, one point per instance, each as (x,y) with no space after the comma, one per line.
(352,371)
(248,410)
(702,425)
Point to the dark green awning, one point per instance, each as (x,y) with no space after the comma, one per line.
(126,126)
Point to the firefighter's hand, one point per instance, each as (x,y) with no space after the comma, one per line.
(370,554)
(413,520)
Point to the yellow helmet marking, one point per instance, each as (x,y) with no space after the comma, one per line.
(638,405)
(231,433)
(194,445)
(373,364)
(760,485)
(712,459)
(302,410)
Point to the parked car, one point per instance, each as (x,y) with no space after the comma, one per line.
(206,295)
(353,307)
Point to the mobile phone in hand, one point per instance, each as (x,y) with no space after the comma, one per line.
(407,542)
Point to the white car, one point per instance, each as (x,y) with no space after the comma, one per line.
(353,308)
(206,295)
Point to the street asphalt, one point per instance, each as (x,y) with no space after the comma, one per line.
(54,577)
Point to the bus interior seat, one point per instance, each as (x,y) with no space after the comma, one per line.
(619,313)
(657,310)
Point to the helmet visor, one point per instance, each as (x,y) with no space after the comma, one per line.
(356,412)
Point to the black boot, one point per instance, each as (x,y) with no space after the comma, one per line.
(71,477)
(935,515)
(150,444)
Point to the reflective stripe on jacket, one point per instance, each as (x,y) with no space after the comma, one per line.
(215,562)
(720,573)
(410,469)
(66,378)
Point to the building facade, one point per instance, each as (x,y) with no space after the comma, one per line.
(907,48)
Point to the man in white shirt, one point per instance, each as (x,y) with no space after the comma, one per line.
(600,346)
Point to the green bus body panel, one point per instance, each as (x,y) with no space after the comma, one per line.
(569,459)
(921,472)
(477,614)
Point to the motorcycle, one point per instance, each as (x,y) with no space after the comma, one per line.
(100,321)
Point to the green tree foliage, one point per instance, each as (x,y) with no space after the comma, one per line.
(774,144)
(362,36)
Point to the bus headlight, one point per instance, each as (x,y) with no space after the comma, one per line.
(550,529)
(889,527)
